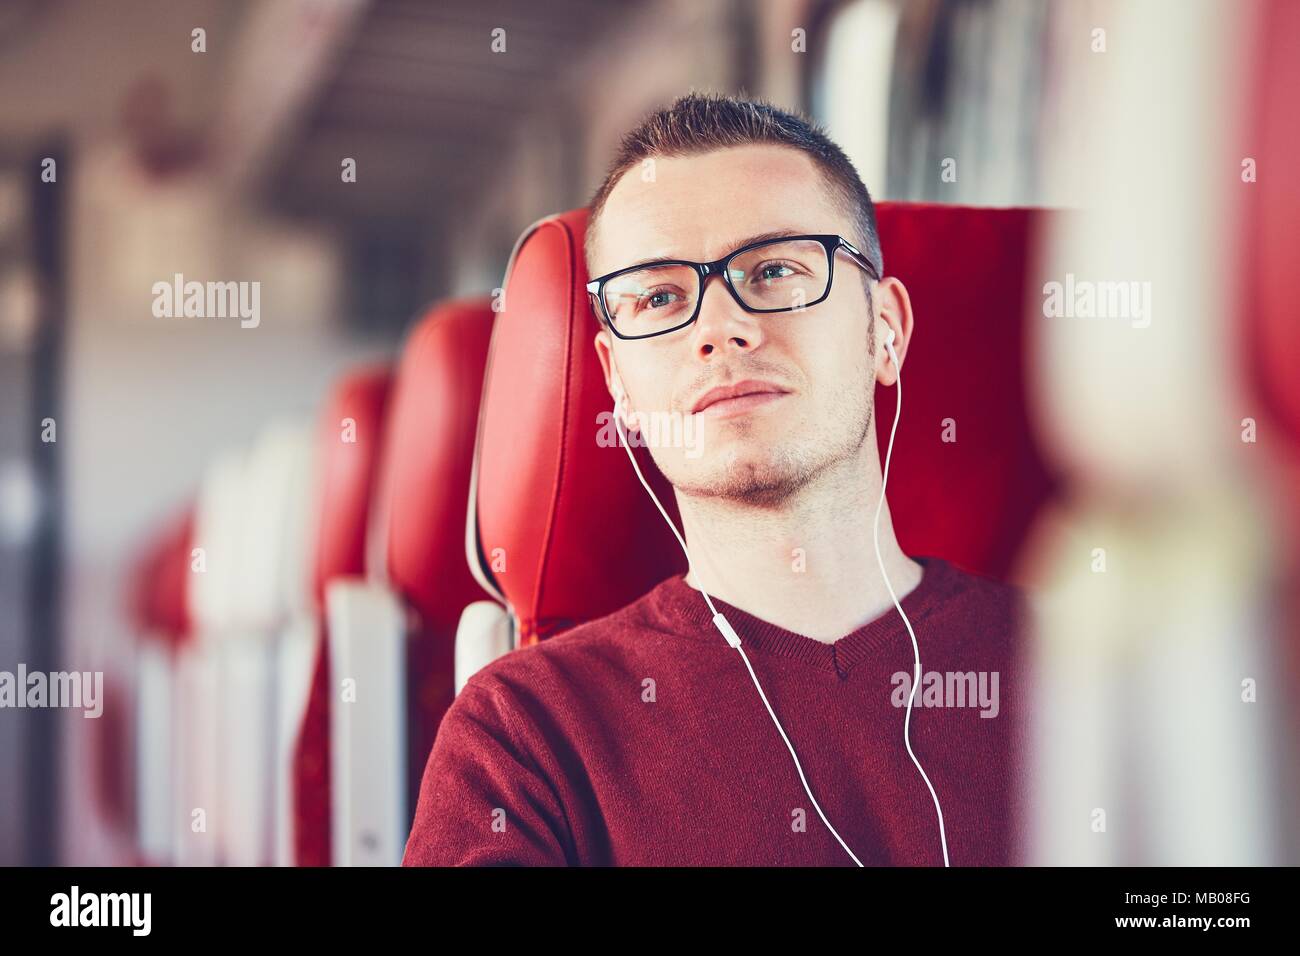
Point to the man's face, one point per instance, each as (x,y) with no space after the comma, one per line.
(763,448)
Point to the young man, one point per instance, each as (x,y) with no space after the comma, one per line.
(641,738)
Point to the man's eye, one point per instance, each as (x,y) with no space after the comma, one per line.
(659,299)
(771,271)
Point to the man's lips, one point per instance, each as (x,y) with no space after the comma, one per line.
(736,399)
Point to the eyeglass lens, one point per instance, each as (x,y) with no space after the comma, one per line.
(783,275)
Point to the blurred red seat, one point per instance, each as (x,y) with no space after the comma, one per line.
(350,436)
(395,637)
(162,622)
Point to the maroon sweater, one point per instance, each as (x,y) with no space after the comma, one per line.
(639,739)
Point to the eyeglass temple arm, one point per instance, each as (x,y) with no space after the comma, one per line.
(863,260)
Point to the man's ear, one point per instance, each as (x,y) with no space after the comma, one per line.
(893,308)
(612,381)
(602,347)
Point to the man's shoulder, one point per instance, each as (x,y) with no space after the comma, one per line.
(978,586)
(986,605)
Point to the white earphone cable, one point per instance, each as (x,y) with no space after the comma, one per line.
(733,639)
(916,650)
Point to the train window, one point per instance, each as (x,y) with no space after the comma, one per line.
(851,85)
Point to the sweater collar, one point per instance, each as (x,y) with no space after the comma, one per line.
(682,607)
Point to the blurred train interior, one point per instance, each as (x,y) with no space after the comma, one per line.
(263,365)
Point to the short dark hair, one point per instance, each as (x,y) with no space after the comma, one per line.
(701,122)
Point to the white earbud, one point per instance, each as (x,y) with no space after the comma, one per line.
(622,411)
(620,397)
(889,346)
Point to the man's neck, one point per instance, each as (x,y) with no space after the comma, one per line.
(808,565)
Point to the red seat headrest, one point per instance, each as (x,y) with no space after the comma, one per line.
(159,581)
(565,532)
(351,436)
(425,472)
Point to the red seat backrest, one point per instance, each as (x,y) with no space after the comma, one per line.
(419,536)
(576,534)
(158,582)
(968,271)
(580,537)
(1268,284)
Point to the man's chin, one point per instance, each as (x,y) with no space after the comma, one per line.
(737,471)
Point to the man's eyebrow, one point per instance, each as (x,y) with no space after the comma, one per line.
(731,247)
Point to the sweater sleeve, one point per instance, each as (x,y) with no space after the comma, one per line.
(484,798)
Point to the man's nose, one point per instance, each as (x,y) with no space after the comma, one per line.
(722,324)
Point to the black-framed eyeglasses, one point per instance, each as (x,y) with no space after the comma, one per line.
(787,274)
